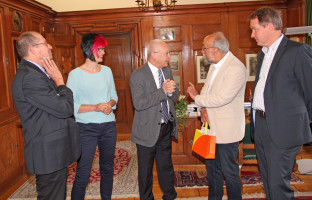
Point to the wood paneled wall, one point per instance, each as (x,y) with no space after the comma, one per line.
(15,17)
(63,31)
(191,25)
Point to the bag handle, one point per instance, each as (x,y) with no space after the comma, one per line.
(206,127)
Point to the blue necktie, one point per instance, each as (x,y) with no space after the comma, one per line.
(164,106)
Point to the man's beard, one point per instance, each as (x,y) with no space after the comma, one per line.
(207,60)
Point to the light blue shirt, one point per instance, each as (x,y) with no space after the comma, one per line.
(91,89)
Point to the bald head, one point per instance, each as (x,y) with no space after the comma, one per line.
(25,41)
(218,40)
(158,53)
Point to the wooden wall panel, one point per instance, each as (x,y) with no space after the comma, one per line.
(5,97)
(15,17)
(191,23)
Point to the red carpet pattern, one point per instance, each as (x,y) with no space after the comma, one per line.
(122,158)
(198,178)
(125,177)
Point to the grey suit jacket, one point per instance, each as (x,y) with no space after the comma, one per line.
(51,136)
(147,99)
(288,94)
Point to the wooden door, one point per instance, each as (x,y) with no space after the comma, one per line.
(118,58)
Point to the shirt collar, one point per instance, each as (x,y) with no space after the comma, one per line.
(153,68)
(274,46)
(220,63)
(41,68)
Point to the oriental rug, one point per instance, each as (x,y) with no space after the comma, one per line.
(257,196)
(125,176)
(199,178)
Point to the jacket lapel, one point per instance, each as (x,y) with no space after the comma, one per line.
(34,67)
(149,76)
(223,68)
(278,54)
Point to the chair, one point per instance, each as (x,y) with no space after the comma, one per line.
(246,150)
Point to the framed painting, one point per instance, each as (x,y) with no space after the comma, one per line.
(251,65)
(202,68)
(174,61)
(167,34)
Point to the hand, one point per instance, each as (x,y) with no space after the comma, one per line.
(169,86)
(106,108)
(53,71)
(204,115)
(192,91)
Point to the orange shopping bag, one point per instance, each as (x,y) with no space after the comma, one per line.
(204,143)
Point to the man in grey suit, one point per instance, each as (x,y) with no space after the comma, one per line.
(282,101)
(45,106)
(153,94)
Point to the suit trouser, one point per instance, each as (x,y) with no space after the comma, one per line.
(91,135)
(275,163)
(52,186)
(161,152)
(225,161)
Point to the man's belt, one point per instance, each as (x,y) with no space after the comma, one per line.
(261,113)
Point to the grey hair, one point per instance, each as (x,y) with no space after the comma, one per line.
(221,42)
(25,40)
(153,47)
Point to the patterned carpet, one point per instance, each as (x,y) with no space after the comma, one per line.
(125,177)
(198,178)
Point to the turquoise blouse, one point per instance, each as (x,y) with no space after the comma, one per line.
(90,89)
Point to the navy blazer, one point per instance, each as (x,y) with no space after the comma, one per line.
(50,133)
(288,94)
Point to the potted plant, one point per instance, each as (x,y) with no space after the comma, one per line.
(182,116)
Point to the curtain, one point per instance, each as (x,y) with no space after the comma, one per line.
(308,20)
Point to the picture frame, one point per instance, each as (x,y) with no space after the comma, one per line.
(176,79)
(17,57)
(202,68)
(167,34)
(174,62)
(251,65)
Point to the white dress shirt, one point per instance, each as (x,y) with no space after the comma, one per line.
(216,67)
(156,78)
(269,53)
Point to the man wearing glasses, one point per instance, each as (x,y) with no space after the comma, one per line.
(45,107)
(153,93)
(222,105)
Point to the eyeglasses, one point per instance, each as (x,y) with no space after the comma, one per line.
(204,48)
(101,49)
(166,53)
(45,43)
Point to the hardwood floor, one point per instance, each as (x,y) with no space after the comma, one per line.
(305,152)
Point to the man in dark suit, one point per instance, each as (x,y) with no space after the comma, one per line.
(282,102)
(153,93)
(45,107)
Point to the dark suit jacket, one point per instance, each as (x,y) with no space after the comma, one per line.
(288,94)
(50,133)
(147,99)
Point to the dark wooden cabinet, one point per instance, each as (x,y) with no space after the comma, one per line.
(182,153)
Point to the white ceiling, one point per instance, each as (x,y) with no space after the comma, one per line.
(76,5)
